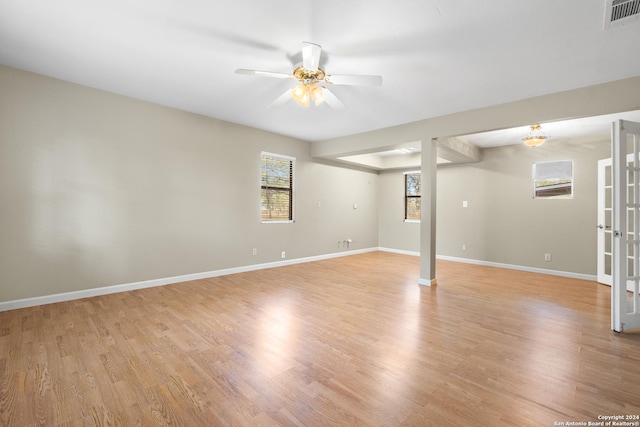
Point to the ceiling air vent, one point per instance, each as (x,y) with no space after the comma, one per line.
(620,12)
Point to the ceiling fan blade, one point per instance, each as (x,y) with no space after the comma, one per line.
(281,99)
(264,73)
(311,56)
(333,100)
(355,80)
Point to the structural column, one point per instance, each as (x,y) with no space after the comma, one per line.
(428,213)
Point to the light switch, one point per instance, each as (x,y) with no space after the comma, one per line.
(465,204)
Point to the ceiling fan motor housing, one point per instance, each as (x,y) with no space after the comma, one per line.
(306,76)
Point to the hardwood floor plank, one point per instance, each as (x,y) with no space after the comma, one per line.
(346,341)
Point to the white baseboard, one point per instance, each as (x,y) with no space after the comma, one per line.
(426,282)
(86,293)
(399,251)
(496,264)
(520,267)
(69,296)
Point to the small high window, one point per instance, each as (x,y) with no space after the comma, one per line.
(553,180)
(412,191)
(276,183)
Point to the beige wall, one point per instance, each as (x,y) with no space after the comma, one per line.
(606,98)
(393,232)
(503,223)
(99,189)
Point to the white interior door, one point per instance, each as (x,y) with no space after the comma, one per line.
(625,288)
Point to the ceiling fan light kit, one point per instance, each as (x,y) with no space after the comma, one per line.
(308,91)
(310,77)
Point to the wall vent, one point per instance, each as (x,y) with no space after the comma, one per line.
(620,12)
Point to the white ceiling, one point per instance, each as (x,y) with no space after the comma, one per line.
(436,57)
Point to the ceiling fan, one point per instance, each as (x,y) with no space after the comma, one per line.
(313,80)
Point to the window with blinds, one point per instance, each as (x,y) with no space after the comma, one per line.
(276,188)
(412,183)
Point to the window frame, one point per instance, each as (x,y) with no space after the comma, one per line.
(407,196)
(291,189)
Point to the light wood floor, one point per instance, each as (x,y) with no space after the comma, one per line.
(348,341)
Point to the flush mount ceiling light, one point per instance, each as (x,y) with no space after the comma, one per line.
(536,136)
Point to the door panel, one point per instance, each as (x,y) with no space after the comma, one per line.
(605,201)
(625,272)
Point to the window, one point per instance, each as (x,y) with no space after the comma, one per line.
(276,184)
(412,183)
(553,180)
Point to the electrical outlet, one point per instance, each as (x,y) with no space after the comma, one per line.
(255,251)
(284,255)
(547,257)
(464,246)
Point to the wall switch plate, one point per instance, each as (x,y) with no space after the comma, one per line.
(284,254)
(464,246)
(255,251)
(547,257)
(465,204)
